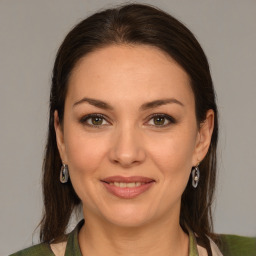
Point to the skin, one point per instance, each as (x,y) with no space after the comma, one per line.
(130,142)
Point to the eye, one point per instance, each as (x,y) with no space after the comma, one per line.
(94,120)
(161,120)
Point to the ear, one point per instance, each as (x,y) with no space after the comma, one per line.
(59,137)
(204,137)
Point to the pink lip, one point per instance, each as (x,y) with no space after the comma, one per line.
(127,193)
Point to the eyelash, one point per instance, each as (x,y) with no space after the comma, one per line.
(85,119)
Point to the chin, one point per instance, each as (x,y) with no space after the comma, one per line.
(127,216)
(127,221)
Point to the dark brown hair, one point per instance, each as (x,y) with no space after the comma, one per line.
(133,24)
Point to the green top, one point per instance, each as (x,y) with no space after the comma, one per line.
(230,245)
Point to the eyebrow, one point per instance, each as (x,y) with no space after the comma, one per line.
(148,105)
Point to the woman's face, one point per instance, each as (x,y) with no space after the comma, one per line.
(130,136)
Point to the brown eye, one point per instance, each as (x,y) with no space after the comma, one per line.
(161,120)
(94,120)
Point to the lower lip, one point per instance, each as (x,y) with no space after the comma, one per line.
(128,193)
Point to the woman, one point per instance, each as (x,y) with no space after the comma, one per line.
(132,139)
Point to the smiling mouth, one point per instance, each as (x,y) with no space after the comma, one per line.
(127,187)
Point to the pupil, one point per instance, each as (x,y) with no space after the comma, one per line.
(97,120)
(159,120)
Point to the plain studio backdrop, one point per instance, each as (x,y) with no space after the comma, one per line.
(30,34)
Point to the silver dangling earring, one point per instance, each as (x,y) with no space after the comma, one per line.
(195,176)
(64,173)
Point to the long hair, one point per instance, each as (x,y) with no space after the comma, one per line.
(134,24)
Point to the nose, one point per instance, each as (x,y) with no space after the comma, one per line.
(127,148)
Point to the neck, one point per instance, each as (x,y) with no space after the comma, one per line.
(163,237)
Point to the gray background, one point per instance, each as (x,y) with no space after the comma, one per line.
(30,33)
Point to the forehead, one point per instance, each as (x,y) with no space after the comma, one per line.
(129,72)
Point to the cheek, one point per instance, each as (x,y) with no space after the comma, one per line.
(84,151)
(85,154)
(173,156)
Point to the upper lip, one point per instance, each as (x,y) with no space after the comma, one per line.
(130,179)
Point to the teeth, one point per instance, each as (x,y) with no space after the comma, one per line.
(130,185)
(126,185)
(121,185)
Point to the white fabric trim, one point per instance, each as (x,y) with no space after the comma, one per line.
(59,248)
(215,250)
(201,251)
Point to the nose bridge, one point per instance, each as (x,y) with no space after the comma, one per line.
(127,148)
